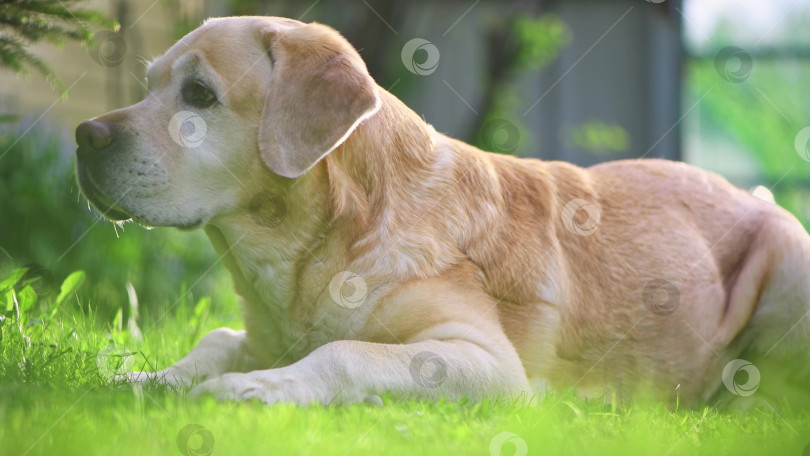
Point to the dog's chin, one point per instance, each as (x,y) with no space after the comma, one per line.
(111,213)
(190,226)
(115,215)
(104,205)
(184,225)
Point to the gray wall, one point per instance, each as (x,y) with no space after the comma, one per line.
(630,77)
(620,70)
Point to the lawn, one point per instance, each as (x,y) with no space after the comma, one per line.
(59,397)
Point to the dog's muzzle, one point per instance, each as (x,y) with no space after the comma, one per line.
(96,140)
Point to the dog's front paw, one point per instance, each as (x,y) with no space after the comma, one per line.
(269,388)
(136,377)
(170,379)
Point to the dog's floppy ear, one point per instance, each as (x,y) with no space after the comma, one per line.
(319,91)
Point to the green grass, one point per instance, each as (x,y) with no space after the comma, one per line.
(54,400)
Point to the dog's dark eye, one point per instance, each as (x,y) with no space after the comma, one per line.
(198,95)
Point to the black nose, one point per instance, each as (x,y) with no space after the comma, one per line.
(93,135)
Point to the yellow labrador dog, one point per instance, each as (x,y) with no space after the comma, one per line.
(375,255)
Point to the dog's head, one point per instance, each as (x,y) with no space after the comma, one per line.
(232,104)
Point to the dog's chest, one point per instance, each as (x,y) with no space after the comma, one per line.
(290,309)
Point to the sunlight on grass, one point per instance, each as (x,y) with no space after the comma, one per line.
(60,397)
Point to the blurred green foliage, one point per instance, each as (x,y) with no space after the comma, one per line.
(765,112)
(47,226)
(24,22)
(747,125)
(760,117)
(597,137)
(539,40)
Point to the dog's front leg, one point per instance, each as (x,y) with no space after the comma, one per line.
(353,371)
(220,351)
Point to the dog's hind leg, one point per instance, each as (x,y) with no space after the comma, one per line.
(776,338)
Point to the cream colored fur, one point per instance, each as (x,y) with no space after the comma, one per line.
(484,271)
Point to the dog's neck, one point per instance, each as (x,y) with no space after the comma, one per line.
(374,198)
(407,172)
(395,134)
(267,249)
